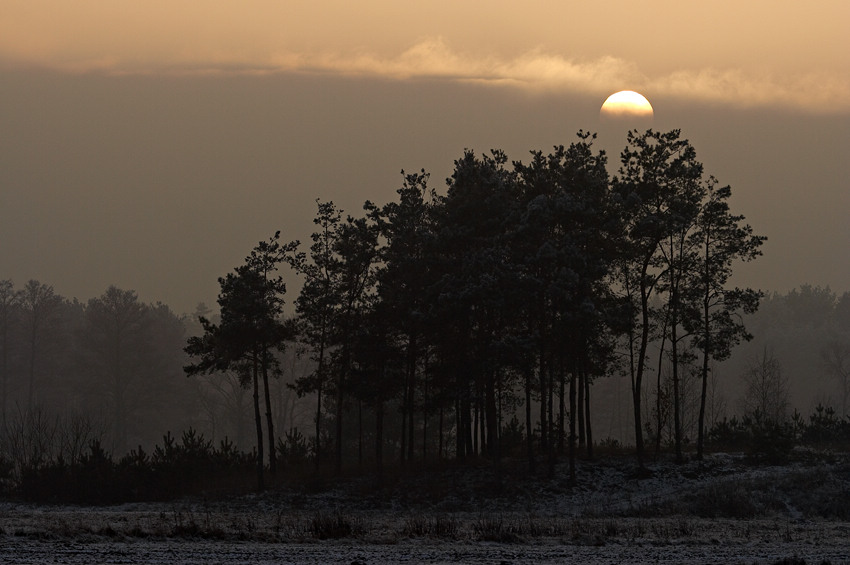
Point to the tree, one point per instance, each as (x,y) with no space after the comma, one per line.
(714,317)
(565,238)
(40,308)
(473,296)
(407,228)
(356,251)
(8,302)
(315,307)
(251,325)
(114,324)
(766,394)
(835,357)
(274,331)
(655,167)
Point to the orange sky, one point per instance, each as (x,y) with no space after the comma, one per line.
(753,53)
(150,144)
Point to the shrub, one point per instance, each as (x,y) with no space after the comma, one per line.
(330,526)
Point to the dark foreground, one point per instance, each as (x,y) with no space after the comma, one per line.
(721,511)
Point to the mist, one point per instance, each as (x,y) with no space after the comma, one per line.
(161,183)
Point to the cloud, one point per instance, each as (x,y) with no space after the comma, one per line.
(536,70)
(815,92)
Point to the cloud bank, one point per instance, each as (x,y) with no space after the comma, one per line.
(535,70)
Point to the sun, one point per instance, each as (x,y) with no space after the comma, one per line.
(626,104)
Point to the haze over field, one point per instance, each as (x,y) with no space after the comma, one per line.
(151,146)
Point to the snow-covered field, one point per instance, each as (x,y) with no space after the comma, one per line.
(719,512)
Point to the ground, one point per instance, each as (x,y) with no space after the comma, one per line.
(724,510)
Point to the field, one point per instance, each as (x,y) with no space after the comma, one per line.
(725,510)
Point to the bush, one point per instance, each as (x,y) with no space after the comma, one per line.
(175,469)
(823,428)
(330,526)
(761,438)
(293,448)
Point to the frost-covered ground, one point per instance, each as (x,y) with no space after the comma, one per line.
(723,511)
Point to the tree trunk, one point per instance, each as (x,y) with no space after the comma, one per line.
(587,427)
(425,421)
(339,414)
(528,444)
(704,391)
(572,439)
(269,420)
(412,354)
(475,432)
(491,416)
(580,409)
(321,379)
(544,437)
(551,412)
(659,421)
(562,410)
(259,422)
(637,382)
(674,322)
(440,447)
(379,437)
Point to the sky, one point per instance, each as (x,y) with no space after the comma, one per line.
(152,144)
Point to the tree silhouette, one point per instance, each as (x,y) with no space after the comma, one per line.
(114,326)
(251,325)
(8,303)
(40,311)
(655,184)
(714,316)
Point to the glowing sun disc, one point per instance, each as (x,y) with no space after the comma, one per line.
(626,104)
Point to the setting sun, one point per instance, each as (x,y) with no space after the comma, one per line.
(626,104)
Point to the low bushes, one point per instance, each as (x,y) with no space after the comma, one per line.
(175,468)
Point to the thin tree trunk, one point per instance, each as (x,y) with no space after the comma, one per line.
(658,408)
(475,432)
(572,438)
(704,391)
(440,448)
(580,409)
(269,420)
(259,422)
(425,422)
(562,410)
(587,427)
(321,379)
(674,322)
(412,354)
(379,438)
(637,382)
(491,417)
(459,427)
(550,410)
(544,437)
(360,433)
(528,444)
(339,414)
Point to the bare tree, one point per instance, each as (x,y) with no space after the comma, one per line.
(835,357)
(8,300)
(767,388)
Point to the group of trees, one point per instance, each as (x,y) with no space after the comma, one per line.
(480,321)
(801,350)
(114,359)
(512,292)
